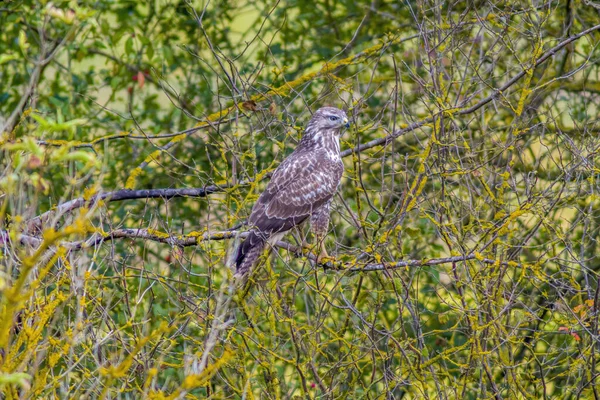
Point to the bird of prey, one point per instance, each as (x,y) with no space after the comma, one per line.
(301,188)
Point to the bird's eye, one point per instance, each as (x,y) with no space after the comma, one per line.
(333,118)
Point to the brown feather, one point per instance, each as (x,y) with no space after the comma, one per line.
(303,183)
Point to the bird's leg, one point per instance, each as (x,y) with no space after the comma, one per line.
(319,221)
(323,251)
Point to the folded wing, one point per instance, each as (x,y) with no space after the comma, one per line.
(298,187)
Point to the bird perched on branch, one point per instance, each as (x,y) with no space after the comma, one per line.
(301,187)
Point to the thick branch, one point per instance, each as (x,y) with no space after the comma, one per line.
(124,194)
(195,238)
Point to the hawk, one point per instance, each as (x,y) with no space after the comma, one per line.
(301,188)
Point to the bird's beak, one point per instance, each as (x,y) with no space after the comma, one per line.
(346,123)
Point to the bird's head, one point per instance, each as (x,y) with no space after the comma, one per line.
(327,118)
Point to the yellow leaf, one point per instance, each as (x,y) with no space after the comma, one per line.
(198,380)
(590,302)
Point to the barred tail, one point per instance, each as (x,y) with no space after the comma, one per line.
(249,251)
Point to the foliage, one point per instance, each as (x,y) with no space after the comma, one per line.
(465,235)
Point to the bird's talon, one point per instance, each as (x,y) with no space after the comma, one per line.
(325,259)
(318,154)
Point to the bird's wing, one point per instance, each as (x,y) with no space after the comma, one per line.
(300,185)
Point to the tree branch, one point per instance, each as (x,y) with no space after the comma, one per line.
(127,135)
(124,194)
(11,122)
(194,238)
(284,90)
(464,111)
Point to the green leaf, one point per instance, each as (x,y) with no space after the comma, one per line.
(23,42)
(17,378)
(149,52)
(412,232)
(129,46)
(4,58)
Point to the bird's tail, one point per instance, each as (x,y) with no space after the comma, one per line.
(248,252)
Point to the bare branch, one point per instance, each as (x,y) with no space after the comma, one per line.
(195,238)
(124,194)
(464,111)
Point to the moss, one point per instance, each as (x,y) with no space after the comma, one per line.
(158,234)
(281,91)
(130,184)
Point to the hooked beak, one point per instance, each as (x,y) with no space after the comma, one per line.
(346,123)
